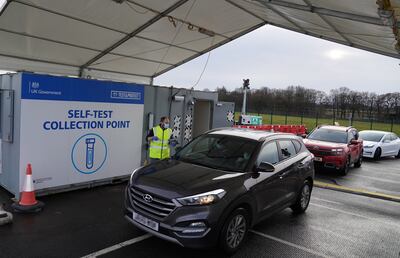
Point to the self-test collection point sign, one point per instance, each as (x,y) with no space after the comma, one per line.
(77,130)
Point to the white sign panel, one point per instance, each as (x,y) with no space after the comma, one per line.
(76,130)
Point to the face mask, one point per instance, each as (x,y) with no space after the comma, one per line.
(166,125)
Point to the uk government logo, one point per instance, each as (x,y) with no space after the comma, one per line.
(89,153)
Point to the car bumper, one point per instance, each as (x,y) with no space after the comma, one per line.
(368,152)
(333,162)
(175,227)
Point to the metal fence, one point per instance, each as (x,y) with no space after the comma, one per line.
(317,116)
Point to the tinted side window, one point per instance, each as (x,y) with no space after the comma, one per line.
(287,149)
(203,145)
(386,138)
(297,145)
(268,153)
(394,137)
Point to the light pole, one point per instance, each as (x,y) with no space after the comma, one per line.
(246,86)
(370,113)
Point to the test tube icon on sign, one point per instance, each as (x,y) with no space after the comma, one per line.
(90,152)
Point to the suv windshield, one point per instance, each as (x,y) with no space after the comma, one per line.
(371,136)
(328,135)
(219,151)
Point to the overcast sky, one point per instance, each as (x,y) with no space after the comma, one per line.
(277,58)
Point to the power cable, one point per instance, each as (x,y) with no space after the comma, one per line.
(205,65)
(176,34)
(133,8)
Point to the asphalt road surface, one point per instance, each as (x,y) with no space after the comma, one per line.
(381,176)
(337,224)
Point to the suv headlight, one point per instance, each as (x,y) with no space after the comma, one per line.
(337,151)
(203,198)
(369,146)
(134,171)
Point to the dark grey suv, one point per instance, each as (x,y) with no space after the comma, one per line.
(220,185)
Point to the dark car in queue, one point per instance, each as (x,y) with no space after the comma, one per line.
(220,185)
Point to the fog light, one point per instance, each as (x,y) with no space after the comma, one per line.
(197,224)
(195,227)
(194,230)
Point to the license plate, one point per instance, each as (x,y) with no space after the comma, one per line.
(145,221)
(318,158)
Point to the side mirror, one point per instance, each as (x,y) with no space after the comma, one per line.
(386,141)
(265,167)
(304,136)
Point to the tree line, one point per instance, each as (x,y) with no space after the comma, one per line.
(341,103)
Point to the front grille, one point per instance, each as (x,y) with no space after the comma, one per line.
(321,152)
(158,207)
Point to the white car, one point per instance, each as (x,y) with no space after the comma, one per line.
(379,144)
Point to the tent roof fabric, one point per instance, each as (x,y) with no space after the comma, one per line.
(137,40)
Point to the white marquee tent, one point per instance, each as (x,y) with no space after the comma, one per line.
(137,40)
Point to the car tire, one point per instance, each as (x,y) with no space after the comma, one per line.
(377,154)
(234,231)
(358,163)
(303,198)
(398,155)
(345,170)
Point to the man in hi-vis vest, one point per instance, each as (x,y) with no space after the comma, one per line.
(159,138)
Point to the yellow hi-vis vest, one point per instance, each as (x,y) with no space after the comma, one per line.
(160,149)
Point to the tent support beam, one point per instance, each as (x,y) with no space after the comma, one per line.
(69,65)
(38,60)
(245,10)
(5,6)
(211,48)
(284,16)
(307,2)
(272,9)
(167,44)
(319,36)
(175,18)
(79,46)
(114,72)
(135,32)
(325,11)
(342,42)
(96,24)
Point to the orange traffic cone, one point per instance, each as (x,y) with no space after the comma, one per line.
(28,202)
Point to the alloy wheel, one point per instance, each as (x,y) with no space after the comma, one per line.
(236,231)
(305,196)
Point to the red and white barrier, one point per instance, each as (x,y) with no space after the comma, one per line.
(294,129)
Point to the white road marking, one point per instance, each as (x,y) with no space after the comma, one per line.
(378,179)
(117,246)
(357,215)
(308,250)
(319,199)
